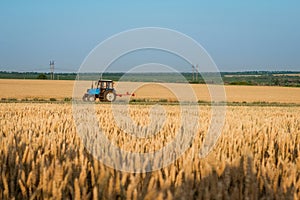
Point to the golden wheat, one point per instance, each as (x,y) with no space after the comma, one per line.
(256,157)
(60,89)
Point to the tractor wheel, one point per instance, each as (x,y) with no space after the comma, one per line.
(109,96)
(92,98)
(85,97)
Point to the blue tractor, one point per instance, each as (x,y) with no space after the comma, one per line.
(104,91)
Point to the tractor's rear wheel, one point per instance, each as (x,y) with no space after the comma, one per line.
(109,96)
(92,98)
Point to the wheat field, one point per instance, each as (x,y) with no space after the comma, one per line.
(42,157)
(60,89)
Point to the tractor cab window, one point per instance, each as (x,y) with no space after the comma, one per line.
(103,85)
(109,85)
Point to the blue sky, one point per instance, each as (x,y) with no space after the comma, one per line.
(239,35)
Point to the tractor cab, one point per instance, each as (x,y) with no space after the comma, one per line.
(104,91)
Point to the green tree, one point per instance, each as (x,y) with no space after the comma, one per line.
(41,76)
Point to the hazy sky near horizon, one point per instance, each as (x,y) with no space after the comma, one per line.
(239,35)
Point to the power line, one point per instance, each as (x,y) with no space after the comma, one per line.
(195,73)
(52,69)
(193,69)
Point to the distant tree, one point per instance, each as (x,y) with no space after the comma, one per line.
(41,76)
(276,82)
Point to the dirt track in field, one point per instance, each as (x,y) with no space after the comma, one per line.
(60,89)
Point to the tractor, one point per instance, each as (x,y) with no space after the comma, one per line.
(104,91)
